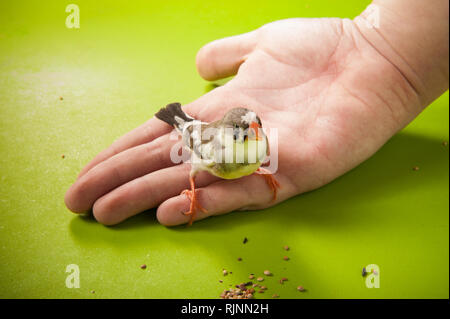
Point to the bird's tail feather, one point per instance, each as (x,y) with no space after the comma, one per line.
(173,115)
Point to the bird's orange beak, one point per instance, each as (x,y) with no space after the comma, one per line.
(255,126)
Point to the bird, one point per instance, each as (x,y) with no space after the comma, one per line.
(230,148)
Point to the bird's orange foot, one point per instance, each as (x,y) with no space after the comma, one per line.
(194,205)
(271,181)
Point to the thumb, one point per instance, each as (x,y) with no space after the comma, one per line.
(222,58)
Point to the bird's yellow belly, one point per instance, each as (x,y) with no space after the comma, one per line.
(246,159)
(233,170)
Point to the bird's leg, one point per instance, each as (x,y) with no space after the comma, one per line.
(194,202)
(271,181)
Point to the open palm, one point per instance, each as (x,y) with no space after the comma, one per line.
(332,97)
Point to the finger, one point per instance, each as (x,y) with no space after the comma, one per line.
(221,197)
(140,135)
(144,193)
(117,170)
(222,58)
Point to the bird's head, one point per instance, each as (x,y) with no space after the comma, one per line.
(245,123)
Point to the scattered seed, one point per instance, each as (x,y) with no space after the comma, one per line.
(267,273)
(251,290)
(251,277)
(245,240)
(239,259)
(92,291)
(275,296)
(143,266)
(364,272)
(61,98)
(445,143)
(241,286)
(263,287)
(281,281)
(248,283)
(286,247)
(224,272)
(286,258)
(255,285)
(261,291)
(221,281)
(63,156)
(284,279)
(236,294)
(260,278)
(300,288)
(416,168)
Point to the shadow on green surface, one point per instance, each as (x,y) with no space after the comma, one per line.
(211,86)
(334,206)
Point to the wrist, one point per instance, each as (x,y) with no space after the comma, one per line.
(413,36)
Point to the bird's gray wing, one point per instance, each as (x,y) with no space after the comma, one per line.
(202,139)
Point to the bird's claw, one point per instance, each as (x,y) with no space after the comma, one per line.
(271,181)
(194,205)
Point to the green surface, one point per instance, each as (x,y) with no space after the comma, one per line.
(127,60)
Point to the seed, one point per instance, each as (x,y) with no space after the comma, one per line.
(267,273)
(415,168)
(251,277)
(286,258)
(250,296)
(260,278)
(143,266)
(261,291)
(284,279)
(221,281)
(92,291)
(245,240)
(61,98)
(364,272)
(263,287)
(248,283)
(251,290)
(286,247)
(224,272)
(239,259)
(445,143)
(63,156)
(275,296)
(255,285)
(300,288)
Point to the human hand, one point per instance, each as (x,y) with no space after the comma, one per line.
(334,99)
